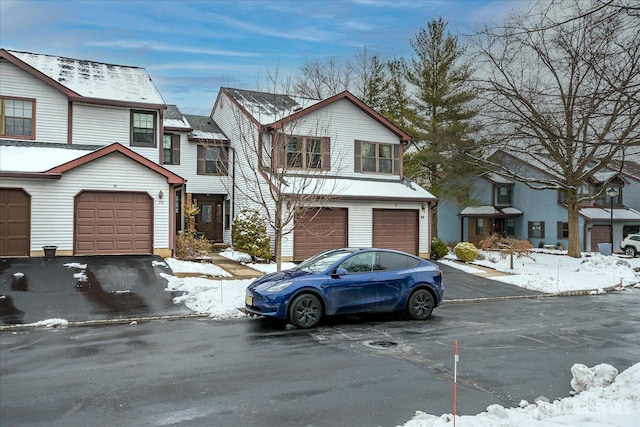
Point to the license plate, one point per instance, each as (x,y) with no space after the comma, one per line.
(249,300)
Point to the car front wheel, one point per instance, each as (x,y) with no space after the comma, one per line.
(630,251)
(305,311)
(420,304)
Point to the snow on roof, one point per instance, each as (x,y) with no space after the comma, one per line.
(268,108)
(494,177)
(15,158)
(479,210)
(95,79)
(489,211)
(605,214)
(204,127)
(173,118)
(357,188)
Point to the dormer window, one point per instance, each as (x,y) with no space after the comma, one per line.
(504,195)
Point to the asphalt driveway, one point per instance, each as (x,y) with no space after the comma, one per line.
(84,288)
(459,285)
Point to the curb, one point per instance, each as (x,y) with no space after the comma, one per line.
(119,321)
(582,292)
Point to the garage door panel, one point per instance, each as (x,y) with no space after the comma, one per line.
(15,222)
(316,231)
(396,229)
(113,223)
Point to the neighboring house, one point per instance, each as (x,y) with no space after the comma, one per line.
(512,208)
(339,155)
(80,159)
(195,148)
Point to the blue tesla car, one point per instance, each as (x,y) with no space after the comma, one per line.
(348,280)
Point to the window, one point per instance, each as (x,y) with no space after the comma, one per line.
(511,226)
(360,263)
(605,200)
(504,194)
(480,226)
(171,149)
(536,230)
(212,160)
(376,157)
(143,128)
(393,261)
(563,230)
(17,117)
(306,152)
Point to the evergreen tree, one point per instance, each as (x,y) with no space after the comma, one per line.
(441,112)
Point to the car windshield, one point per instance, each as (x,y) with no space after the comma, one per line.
(320,262)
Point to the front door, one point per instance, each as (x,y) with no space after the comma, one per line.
(209,219)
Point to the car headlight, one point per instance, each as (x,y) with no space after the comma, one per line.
(279,286)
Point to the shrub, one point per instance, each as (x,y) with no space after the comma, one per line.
(249,234)
(438,248)
(191,246)
(466,251)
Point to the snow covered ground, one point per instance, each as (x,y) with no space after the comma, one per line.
(605,397)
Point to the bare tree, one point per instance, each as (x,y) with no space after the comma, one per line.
(285,164)
(322,78)
(561,90)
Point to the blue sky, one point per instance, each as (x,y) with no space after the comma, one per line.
(192,48)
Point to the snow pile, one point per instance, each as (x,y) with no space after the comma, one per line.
(220,299)
(50,323)
(236,256)
(604,399)
(205,268)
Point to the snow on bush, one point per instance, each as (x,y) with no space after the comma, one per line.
(466,251)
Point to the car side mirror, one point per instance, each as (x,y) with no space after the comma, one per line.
(339,272)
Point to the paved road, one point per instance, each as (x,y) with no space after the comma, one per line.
(356,372)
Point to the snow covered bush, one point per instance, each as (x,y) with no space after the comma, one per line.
(466,251)
(249,234)
(438,248)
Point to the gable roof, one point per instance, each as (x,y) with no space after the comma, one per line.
(172,178)
(273,111)
(89,81)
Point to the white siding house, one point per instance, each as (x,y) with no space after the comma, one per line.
(79,159)
(336,162)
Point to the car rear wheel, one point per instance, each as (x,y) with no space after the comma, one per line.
(305,311)
(630,251)
(420,304)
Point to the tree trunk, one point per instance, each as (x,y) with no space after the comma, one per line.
(278,235)
(573,210)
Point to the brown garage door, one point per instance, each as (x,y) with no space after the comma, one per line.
(313,234)
(600,234)
(113,223)
(396,229)
(15,221)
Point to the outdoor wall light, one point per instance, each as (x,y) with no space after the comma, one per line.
(160,195)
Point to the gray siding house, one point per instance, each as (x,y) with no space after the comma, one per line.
(511,208)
